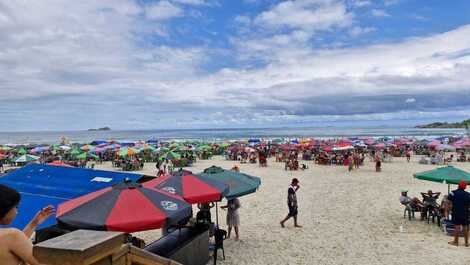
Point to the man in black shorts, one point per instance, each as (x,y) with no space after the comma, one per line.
(460,203)
(292,202)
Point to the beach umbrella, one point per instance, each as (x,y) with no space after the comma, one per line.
(59,163)
(127,151)
(84,156)
(434,143)
(449,174)
(192,188)
(445,147)
(65,147)
(239,184)
(172,155)
(26,158)
(204,147)
(39,149)
(153,142)
(75,152)
(149,148)
(125,207)
(5,148)
(22,151)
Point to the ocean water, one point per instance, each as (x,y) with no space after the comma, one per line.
(49,137)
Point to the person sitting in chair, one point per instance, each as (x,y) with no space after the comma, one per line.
(414,203)
(430,200)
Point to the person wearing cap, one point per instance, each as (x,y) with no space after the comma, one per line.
(413,203)
(292,202)
(460,203)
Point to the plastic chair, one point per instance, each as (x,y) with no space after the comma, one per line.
(219,236)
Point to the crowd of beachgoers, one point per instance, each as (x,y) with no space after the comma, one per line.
(131,155)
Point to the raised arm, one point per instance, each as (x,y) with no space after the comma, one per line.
(38,219)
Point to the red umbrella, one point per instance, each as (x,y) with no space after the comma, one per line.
(125,207)
(59,163)
(194,189)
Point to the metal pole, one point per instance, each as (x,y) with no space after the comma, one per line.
(216,214)
(448,189)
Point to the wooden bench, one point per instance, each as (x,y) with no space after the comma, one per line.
(84,247)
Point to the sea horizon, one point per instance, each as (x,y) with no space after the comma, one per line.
(221,134)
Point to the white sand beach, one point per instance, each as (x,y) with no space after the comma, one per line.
(347,218)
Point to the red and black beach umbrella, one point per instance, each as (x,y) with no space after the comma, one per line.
(125,207)
(193,189)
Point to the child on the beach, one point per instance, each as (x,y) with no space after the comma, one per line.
(15,245)
(378,163)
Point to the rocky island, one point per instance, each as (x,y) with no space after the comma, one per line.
(100,129)
(446,125)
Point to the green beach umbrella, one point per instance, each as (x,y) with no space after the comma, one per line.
(204,147)
(239,183)
(84,156)
(172,155)
(449,174)
(75,152)
(148,147)
(22,151)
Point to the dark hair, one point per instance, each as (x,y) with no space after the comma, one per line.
(295,180)
(9,198)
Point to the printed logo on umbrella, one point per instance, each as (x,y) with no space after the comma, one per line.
(169,206)
(169,189)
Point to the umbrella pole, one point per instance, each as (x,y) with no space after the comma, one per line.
(448,188)
(216,214)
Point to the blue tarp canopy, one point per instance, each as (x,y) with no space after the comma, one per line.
(98,142)
(41,185)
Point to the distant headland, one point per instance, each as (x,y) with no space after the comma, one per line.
(446,125)
(100,129)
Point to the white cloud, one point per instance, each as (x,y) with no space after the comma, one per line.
(410,100)
(163,10)
(306,14)
(358,31)
(190,2)
(419,17)
(379,13)
(361,3)
(94,53)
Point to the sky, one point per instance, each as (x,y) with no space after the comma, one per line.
(166,64)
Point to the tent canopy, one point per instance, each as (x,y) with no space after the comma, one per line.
(41,185)
(449,174)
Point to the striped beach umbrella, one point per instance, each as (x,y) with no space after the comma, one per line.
(193,188)
(125,207)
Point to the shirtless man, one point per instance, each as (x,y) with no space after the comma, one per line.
(15,245)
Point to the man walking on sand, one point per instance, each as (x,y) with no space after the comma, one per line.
(460,203)
(292,202)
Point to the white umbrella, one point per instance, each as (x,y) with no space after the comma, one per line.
(26,158)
